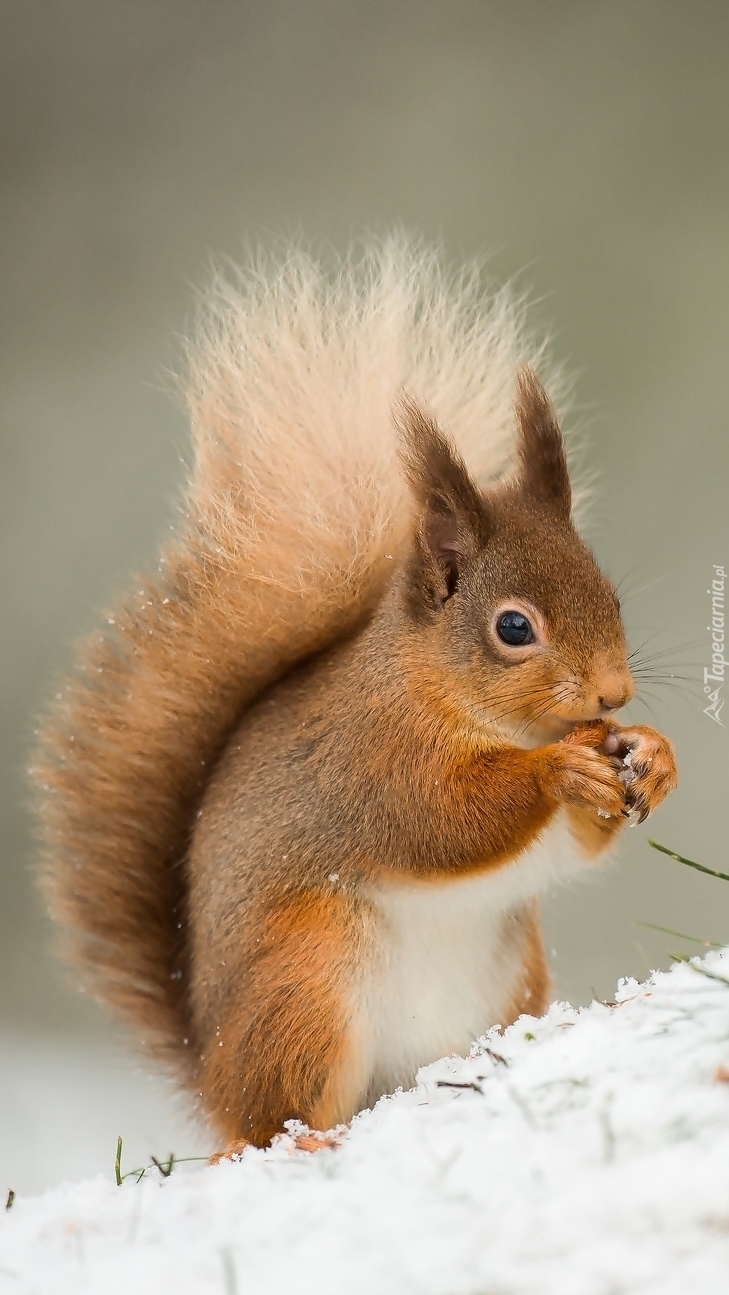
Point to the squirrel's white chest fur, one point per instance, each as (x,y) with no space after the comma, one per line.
(449,959)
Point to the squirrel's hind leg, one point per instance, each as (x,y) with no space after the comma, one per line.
(288,1047)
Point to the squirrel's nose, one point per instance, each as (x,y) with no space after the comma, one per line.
(614,691)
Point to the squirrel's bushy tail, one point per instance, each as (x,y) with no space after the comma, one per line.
(295,509)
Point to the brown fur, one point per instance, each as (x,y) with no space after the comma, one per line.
(311,699)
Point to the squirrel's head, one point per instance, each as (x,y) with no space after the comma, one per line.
(505,596)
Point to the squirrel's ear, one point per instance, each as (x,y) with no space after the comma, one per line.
(543,464)
(453,523)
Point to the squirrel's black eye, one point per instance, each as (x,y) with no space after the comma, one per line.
(514,629)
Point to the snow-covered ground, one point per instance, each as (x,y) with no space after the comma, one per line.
(583,1154)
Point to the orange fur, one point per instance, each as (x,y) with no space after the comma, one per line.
(284,1047)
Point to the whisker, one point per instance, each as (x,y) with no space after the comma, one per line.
(662,701)
(524,694)
(534,718)
(622,586)
(665,664)
(554,698)
(664,679)
(663,676)
(636,593)
(662,652)
(643,702)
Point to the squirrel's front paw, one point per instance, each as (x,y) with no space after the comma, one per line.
(646,764)
(587,779)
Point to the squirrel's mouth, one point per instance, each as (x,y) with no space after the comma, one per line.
(553,727)
(538,732)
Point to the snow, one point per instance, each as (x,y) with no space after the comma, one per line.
(586,1153)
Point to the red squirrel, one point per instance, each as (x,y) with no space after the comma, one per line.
(304,790)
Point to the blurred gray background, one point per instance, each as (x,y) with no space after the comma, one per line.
(583,143)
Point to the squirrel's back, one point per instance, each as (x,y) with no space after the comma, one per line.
(296,507)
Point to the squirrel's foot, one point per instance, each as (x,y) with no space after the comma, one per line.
(316,1141)
(643,759)
(585,778)
(592,733)
(233,1151)
(648,767)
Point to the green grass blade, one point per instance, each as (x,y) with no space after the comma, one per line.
(702,971)
(710,872)
(165,1167)
(666,930)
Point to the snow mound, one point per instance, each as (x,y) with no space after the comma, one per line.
(586,1153)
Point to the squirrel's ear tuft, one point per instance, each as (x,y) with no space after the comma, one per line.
(543,463)
(453,520)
